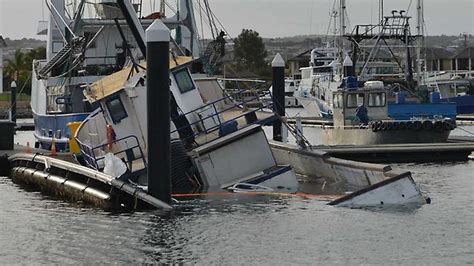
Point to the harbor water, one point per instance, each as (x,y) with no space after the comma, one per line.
(35,228)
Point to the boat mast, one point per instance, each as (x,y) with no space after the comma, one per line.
(381,12)
(420,40)
(342,32)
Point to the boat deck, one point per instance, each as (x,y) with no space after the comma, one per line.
(239,115)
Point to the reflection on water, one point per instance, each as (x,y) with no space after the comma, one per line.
(245,229)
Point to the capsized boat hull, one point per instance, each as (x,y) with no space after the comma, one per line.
(398,190)
(369,185)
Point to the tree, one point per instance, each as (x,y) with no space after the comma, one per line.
(250,51)
(19,67)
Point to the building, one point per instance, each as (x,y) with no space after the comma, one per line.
(438,59)
(2,45)
(297,62)
(462,60)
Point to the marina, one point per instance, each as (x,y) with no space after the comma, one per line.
(148,139)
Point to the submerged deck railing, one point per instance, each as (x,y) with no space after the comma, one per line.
(249,115)
(129,152)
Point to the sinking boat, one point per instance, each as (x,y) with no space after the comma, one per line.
(216,145)
(357,184)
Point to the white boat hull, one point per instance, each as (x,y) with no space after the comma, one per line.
(399,190)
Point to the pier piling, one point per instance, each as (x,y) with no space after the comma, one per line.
(158,110)
(13,101)
(278,85)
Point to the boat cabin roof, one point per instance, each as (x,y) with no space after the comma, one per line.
(116,81)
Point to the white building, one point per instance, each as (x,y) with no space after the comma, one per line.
(2,45)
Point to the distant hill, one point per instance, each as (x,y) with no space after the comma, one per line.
(23,44)
(289,47)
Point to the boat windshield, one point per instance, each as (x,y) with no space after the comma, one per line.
(338,102)
(377,99)
(355,99)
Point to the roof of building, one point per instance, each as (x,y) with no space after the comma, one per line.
(303,56)
(467,52)
(437,53)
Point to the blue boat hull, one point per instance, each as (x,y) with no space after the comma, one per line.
(465,104)
(48,127)
(406,111)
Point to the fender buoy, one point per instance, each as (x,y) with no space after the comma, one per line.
(446,126)
(427,125)
(390,125)
(374,126)
(384,126)
(438,126)
(417,125)
(396,125)
(402,126)
(379,125)
(409,125)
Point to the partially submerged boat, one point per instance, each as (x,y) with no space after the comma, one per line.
(357,184)
(216,145)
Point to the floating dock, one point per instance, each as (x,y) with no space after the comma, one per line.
(456,149)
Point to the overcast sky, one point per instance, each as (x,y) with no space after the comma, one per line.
(275,18)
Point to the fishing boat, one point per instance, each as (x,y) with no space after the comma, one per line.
(87,41)
(381,52)
(456,87)
(375,125)
(211,149)
(318,81)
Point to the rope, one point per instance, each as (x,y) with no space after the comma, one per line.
(293,130)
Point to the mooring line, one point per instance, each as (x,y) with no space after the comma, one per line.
(296,195)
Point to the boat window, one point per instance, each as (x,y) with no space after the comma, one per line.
(354,100)
(338,101)
(377,99)
(184,81)
(116,109)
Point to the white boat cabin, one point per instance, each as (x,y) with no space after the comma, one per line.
(346,102)
(209,147)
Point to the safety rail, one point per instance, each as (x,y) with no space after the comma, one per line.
(127,154)
(215,116)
